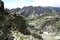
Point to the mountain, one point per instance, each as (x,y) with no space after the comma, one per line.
(35,10)
(15,10)
(42,23)
(15,27)
(34,27)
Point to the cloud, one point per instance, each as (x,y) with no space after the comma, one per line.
(40,3)
(22,3)
(46,2)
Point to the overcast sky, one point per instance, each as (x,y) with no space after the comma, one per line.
(22,3)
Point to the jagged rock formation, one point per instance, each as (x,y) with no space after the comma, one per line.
(35,10)
(1,5)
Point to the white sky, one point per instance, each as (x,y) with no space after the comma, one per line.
(22,3)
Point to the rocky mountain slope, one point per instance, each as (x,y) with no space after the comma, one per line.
(35,10)
(14,27)
(10,23)
(47,25)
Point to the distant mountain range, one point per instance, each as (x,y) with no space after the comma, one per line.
(35,10)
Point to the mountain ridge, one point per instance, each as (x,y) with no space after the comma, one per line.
(35,10)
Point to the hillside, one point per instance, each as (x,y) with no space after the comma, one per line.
(9,23)
(47,25)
